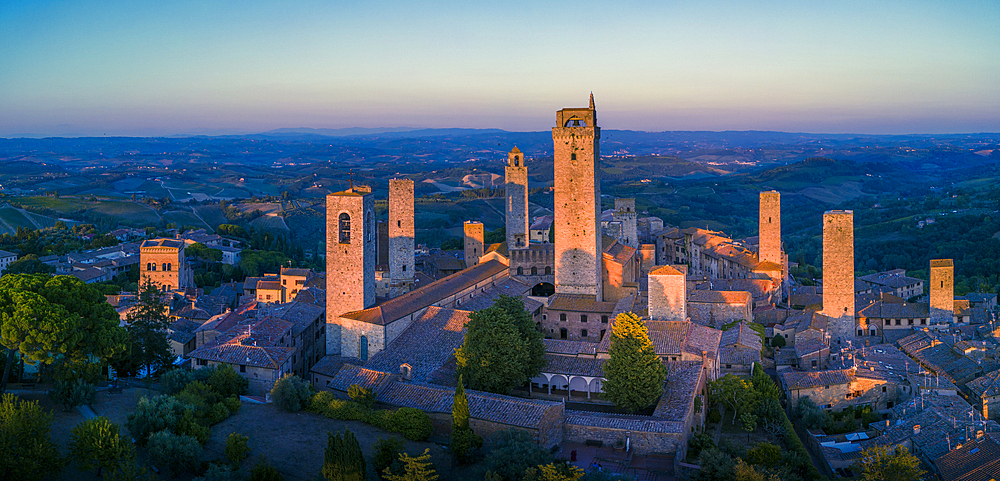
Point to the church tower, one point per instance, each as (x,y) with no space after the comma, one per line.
(838,273)
(350,251)
(400,236)
(577,224)
(517,200)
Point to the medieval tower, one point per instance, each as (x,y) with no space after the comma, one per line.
(625,213)
(838,273)
(400,236)
(942,307)
(769,233)
(667,294)
(350,251)
(473,242)
(517,200)
(576,142)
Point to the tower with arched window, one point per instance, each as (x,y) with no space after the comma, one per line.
(350,252)
(516,186)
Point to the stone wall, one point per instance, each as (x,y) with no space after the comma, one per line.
(667,294)
(473,242)
(625,213)
(942,287)
(595,325)
(769,238)
(401,236)
(640,443)
(838,273)
(715,314)
(516,187)
(350,251)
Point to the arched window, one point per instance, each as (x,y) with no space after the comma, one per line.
(363,348)
(345,228)
(534,271)
(572,156)
(149,266)
(170,267)
(154,267)
(548,270)
(164,267)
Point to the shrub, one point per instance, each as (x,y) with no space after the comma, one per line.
(98,443)
(72,393)
(764,454)
(290,393)
(218,472)
(412,423)
(173,453)
(320,401)
(265,472)
(189,426)
(347,411)
(381,419)
(153,415)
(465,444)
(237,448)
(387,456)
(175,380)
(225,381)
(512,452)
(217,413)
(698,443)
(233,404)
(24,429)
(364,397)
(714,416)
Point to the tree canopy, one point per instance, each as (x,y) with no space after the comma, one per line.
(147,324)
(888,463)
(633,374)
(502,347)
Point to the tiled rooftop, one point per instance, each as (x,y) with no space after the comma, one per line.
(425,345)
(569,348)
(573,366)
(974,461)
(251,345)
(811,379)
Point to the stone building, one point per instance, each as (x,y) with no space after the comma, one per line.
(401,237)
(739,349)
(894,282)
(577,317)
(620,273)
(163,262)
(985,394)
(838,273)
(350,251)
(717,308)
(260,351)
(625,214)
(769,237)
(839,388)
(942,298)
(577,200)
(539,230)
(473,242)
(667,294)
(6,258)
(677,341)
(516,187)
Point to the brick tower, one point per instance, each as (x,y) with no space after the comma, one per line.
(667,294)
(350,251)
(838,273)
(625,214)
(577,224)
(769,232)
(517,200)
(473,242)
(400,236)
(942,307)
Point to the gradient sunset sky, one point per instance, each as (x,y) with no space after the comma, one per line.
(168,67)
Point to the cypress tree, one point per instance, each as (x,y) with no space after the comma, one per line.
(464,442)
(460,408)
(343,460)
(634,373)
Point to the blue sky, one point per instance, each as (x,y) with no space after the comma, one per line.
(153,68)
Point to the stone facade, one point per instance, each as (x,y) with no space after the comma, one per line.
(163,261)
(942,302)
(473,242)
(534,264)
(769,237)
(401,236)
(516,187)
(625,214)
(718,308)
(577,198)
(667,294)
(350,254)
(838,273)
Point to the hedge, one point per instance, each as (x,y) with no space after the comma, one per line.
(412,423)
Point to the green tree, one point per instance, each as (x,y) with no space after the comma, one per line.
(733,392)
(174,453)
(778,341)
(386,457)
(888,463)
(464,442)
(147,324)
(72,393)
(60,322)
(512,452)
(27,453)
(502,348)
(290,393)
(417,468)
(154,415)
(559,471)
(98,443)
(29,264)
(764,454)
(262,471)
(361,395)
(343,460)
(237,448)
(763,384)
(748,422)
(225,381)
(745,472)
(634,374)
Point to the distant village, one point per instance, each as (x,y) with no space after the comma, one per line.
(387,315)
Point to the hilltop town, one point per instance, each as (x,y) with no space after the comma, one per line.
(757,354)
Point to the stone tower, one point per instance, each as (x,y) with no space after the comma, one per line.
(517,200)
(350,251)
(577,224)
(667,294)
(942,307)
(838,273)
(769,232)
(473,242)
(400,236)
(625,213)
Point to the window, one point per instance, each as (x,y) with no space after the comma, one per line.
(202,362)
(534,271)
(572,156)
(729,366)
(923,322)
(883,388)
(562,333)
(345,228)
(814,365)
(603,331)
(911,322)
(163,266)
(170,267)
(520,271)
(861,332)
(363,348)
(583,318)
(825,387)
(548,270)
(583,333)
(243,368)
(404,267)
(399,223)
(284,282)
(604,319)
(562,316)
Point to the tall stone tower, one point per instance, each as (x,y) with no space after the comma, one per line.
(577,224)
(350,251)
(769,232)
(625,213)
(517,200)
(400,236)
(667,294)
(838,273)
(473,242)
(942,307)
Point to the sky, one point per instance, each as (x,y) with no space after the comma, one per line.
(141,67)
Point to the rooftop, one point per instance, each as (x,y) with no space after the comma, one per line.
(426,345)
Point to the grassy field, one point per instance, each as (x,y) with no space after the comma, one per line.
(185,218)
(13,219)
(269,222)
(212,214)
(58,204)
(129,211)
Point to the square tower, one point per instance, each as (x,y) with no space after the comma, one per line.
(838,272)
(400,236)
(625,214)
(473,242)
(577,224)
(516,186)
(942,307)
(667,294)
(350,251)
(163,262)
(769,232)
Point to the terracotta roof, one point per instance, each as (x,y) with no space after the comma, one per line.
(420,298)
(162,243)
(295,271)
(268,285)
(619,252)
(666,271)
(509,287)
(682,383)
(986,386)
(569,348)
(330,365)
(426,344)
(253,345)
(623,422)
(811,379)
(574,366)
(350,374)
(974,461)
(676,337)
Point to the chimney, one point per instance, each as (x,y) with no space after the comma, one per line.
(704,359)
(916,429)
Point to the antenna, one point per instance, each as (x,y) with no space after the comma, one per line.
(352,179)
